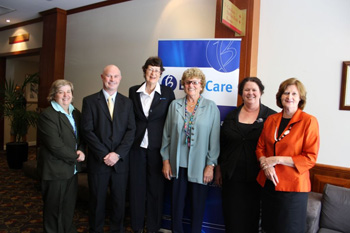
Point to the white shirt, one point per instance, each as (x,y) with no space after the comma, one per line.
(146,101)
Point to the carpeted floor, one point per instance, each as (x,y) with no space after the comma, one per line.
(21,203)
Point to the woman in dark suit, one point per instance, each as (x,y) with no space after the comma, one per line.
(151,101)
(238,165)
(61,152)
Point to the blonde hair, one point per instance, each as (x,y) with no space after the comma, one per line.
(194,72)
(57,84)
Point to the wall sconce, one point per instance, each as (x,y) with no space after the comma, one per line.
(19,38)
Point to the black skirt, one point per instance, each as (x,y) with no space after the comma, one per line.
(241,206)
(283,212)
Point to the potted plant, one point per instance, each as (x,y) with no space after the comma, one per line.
(14,108)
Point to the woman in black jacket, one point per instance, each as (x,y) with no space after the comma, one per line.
(238,166)
(151,101)
(60,154)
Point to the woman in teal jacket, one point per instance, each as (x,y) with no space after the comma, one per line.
(190,148)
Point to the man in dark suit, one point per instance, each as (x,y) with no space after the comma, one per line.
(151,101)
(109,134)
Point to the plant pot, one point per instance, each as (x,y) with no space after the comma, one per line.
(16,154)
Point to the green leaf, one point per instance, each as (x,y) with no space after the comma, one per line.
(14,106)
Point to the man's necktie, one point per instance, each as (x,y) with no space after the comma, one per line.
(110,106)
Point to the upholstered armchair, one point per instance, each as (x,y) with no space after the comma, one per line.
(329,212)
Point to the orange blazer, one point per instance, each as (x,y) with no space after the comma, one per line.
(302,144)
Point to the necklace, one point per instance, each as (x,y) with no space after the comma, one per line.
(284,134)
(188,125)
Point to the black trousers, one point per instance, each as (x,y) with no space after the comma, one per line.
(198,193)
(283,212)
(98,186)
(146,188)
(241,206)
(59,198)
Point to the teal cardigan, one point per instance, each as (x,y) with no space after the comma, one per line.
(205,138)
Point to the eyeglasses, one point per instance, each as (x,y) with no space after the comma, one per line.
(152,70)
(195,83)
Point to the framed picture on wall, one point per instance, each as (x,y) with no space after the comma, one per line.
(345,87)
(32,92)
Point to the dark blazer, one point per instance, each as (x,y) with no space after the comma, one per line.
(57,154)
(104,135)
(235,146)
(156,118)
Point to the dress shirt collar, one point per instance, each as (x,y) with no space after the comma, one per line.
(107,95)
(143,89)
(59,108)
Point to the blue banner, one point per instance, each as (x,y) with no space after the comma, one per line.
(221,55)
(218,59)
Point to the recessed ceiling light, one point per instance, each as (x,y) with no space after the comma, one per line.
(8,21)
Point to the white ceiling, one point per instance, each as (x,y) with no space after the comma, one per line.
(23,10)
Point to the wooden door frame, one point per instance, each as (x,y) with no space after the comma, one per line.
(3,58)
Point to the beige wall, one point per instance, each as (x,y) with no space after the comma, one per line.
(126,34)
(309,40)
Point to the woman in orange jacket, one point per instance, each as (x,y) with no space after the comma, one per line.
(287,149)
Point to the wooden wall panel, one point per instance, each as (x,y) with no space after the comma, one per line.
(323,174)
(53,51)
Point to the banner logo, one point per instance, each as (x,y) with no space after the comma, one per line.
(222,55)
(170,81)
